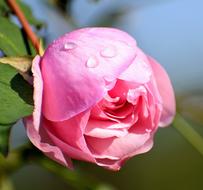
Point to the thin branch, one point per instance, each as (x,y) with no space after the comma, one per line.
(31,35)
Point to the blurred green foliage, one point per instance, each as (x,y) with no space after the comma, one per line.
(63,5)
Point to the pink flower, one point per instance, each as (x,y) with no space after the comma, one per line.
(98,98)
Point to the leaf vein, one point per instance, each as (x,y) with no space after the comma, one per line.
(9,42)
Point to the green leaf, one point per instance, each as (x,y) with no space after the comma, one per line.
(15,96)
(4,138)
(22,64)
(4,9)
(11,39)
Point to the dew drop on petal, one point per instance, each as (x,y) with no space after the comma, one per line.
(92,62)
(108,52)
(69,46)
(148,130)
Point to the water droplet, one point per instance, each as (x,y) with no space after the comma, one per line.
(92,62)
(108,52)
(148,130)
(69,46)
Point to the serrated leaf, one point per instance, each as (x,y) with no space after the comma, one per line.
(22,64)
(4,138)
(11,39)
(15,96)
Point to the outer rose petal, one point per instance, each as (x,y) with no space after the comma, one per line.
(38,89)
(68,150)
(116,164)
(112,152)
(43,143)
(32,124)
(117,147)
(139,71)
(70,85)
(166,91)
(68,135)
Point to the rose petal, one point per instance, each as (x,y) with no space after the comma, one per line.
(166,91)
(75,79)
(46,146)
(38,88)
(71,151)
(139,71)
(100,129)
(134,94)
(70,131)
(69,92)
(116,164)
(97,113)
(117,147)
(32,124)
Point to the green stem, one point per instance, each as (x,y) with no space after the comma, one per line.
(5,183)
(11,163)
(189,133)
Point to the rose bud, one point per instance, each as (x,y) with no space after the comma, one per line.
(98,98)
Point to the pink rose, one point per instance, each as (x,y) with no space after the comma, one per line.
(98,98)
